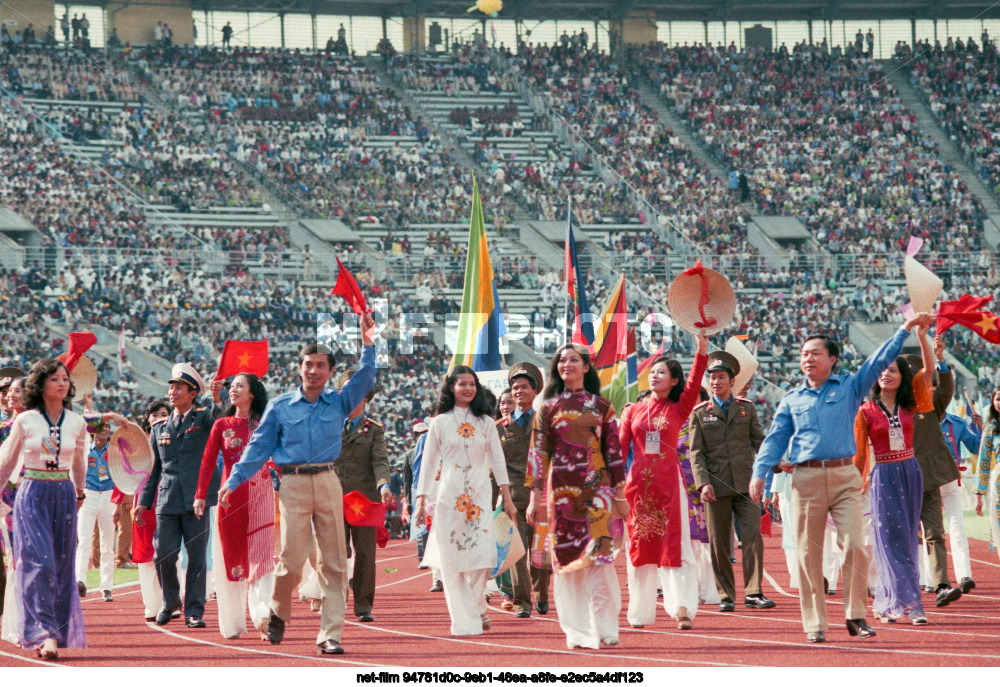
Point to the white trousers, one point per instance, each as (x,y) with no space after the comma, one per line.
(679,585)
(954,518)
(708,592)
(465,594)
(833,556)
(149,585)
(234,598)
(588,602)
(97,507)
(785,508)
(10,623)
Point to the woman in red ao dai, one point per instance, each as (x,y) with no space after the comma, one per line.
(659,535)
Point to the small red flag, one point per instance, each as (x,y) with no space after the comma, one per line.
(360,511)
(347,286)
(381,536)
(966,305)
(243,356)
(79,343)
(765,523)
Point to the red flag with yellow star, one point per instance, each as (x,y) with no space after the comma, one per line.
(360,511)
(243,356)
(967,311)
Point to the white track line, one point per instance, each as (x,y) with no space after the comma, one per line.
(389,584)
(609,653)
(261,652)
(47,664)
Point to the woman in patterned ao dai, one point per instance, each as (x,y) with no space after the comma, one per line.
(243,553)
(454,494)
(576,457)
(659,531)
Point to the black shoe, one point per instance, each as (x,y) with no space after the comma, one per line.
(816,637)
(194,623)
(946,595)
(659,593)
(328,646)
(726,606)
(276,630)
(365,617)
(967,585)
(437,587)
(523,613)
(860,628)
(166,614)
(542,607)
(107,595)
(757,601)
(82,588)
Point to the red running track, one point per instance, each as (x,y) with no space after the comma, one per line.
(411,630)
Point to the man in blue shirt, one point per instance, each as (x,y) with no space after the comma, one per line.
(957,432)
(97,507)
(302,431)
(814,424)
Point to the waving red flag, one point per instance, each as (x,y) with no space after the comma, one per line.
(347,286)
(362,512)
(966,305)
(79,343)
(243,356)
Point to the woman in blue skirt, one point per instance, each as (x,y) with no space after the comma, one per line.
(50,441)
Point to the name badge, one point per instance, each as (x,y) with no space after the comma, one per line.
(896,442)
(652,443)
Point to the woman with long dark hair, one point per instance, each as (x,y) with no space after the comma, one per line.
(659,531)
(462,447)
(52,442)
(144,528)
(244,550)
(896,485)
(988,472)
(575,454)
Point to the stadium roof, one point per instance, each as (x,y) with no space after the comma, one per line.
(664,10)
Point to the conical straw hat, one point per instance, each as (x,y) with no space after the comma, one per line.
(748,364)
(923,285)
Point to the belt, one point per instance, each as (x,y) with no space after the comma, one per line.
(307,469)
(894,456)
(47,475)
(835,463)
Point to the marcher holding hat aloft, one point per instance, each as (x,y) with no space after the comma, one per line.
(178,446)
(725,436)
(660,551)
(51,440)
(9,603)
(886,420)
(244,550)
(363,466)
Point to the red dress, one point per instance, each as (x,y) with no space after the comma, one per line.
(246,526)
(654,483)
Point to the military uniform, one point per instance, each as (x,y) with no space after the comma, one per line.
(723,448)
(516,440)
(178,445)
(363,466)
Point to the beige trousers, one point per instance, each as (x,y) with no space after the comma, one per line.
(307,504)
(816,492)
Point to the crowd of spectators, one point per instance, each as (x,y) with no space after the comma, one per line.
(960,81)
(824,138)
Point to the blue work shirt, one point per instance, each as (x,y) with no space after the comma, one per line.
(294,431)
(966,433)
(819,423)
(98,477)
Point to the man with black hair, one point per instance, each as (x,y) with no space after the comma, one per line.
(725,436)
(301,431)
(525,382)
(363,466)
(814,424)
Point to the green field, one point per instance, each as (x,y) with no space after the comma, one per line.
(121,577)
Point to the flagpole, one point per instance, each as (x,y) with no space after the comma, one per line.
(566,266)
